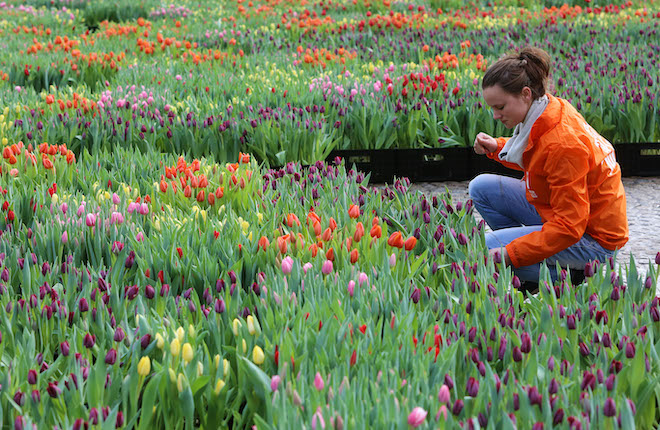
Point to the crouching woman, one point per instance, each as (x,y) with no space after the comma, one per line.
(570,206)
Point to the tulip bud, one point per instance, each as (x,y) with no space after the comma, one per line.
(111,356)
(258,355)
(144,366)
(417,417)
(187,353)
(64,348)
(145,341)
(609,408)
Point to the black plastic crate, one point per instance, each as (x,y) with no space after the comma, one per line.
(638,159)
(436,164)
(482,164)
(382,164)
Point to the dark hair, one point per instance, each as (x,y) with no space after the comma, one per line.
(529,67)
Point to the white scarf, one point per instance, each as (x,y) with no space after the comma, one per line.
(515,146)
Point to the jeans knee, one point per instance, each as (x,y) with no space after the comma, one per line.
(479,185)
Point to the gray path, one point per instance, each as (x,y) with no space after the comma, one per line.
(643,200)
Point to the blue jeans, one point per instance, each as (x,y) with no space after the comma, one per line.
(502,203)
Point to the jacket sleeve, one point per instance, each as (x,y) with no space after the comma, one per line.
(567,170)
(501,141)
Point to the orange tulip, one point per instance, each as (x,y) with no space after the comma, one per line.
(354,256)
(327,235)
(330,255)
(47,163)
(375,221)
(263,243)
(281,243)
(193,182)
(395,240)
(70,157)
(376,231)
(410,243)
(359,232)
(163,186)
(317,228)
(211,199)
(219,192)
(200,196)
(292,218)
(313,217)
(243,158)
(353,211)
(333,224)
(187,191)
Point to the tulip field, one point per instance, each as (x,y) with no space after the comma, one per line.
(176,252)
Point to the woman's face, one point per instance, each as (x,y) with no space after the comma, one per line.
(509,108)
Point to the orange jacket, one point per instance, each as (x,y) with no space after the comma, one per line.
(574,182)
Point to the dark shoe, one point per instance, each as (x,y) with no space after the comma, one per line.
(577,276)
(529,287)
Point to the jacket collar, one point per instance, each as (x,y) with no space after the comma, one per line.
(548,120)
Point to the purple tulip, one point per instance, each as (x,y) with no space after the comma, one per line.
(164,290)
(449,381)
(111,356)
(558,417)
(83,306)
(537,426)
(53,390)
(570,322)
(584,349)
(609,408)
(588,270)
(416,295)
(19,422)
(526,343)
(149,292)
(93,416)
(119,334)
(89,340)
(120,419)
(616,295)
(462,239)
(535,398)
(220,306)
(657,258)
(588,381)
(472,388)
(64,348)
(19,398)
(145,341)
(630,350)
(609,382)
(36,396)
(516,354)
(458,407)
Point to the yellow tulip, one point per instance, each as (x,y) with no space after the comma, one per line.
(191,330)
(175,347)
(144,366)
(180,333)
(200,368)
(179,382)
(172,374)
(160,342)
(235,326)
(216,360)
(187,353)
(250,324)
(219,386)
(55,198)
(258,355)
(4,141)
(225,368)
(244,346)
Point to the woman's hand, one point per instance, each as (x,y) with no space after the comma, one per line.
(500,254)
(484,144)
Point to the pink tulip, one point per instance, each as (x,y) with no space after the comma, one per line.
(132,207)
(13,173)
(318,381)
(116,218)
(443,412)
(351,287)
(392,260)
(327,267)
(318,417)
(287,265)
(443,395)
(306,267)
(417,417)
(64,207)
(143,209)
(275,382)
(139,237)
(81,209)
(362,278)
(65,237)
(115,199)
(90,220)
